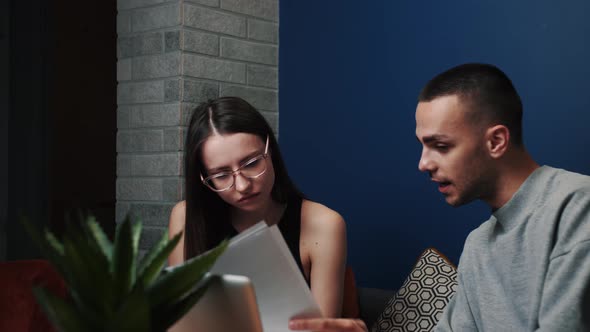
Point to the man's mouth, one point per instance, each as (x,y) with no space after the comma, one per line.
(443,186)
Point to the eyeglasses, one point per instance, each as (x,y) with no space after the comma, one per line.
(251,169)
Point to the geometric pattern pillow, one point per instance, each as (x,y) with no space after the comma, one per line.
(419,303)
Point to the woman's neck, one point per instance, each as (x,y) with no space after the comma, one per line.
(271,214)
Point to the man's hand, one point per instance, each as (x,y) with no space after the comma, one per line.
(328,325)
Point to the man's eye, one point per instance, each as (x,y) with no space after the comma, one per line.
(442,147)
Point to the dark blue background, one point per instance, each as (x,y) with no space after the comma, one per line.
(349,75)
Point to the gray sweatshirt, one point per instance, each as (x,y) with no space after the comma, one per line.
(527,268)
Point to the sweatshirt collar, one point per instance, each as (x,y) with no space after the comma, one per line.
(523,198)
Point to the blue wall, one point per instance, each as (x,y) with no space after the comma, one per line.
(350,72)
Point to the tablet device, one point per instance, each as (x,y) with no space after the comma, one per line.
(261,254)
(228,305)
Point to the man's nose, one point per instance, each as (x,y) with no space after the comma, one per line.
(426,164)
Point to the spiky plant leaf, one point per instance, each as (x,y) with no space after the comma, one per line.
(135,235)
(83,248)
(82,239)
(174,285)
(105,295)
(123,266)
(56,252)
(133,314)
(89,287)
(155,260)
(100,237)
(63,315)
(54,242)
(45,241)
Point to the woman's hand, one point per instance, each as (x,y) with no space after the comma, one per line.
(328,325)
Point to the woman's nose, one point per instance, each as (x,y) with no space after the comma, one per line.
(242,182)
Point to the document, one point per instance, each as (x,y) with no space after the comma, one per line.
(261,254)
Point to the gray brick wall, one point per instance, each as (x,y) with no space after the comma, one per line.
(172,55)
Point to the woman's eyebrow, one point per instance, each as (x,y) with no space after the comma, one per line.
(242,161)
(250,156)
(217,169)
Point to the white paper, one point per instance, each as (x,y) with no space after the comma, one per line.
(261,254)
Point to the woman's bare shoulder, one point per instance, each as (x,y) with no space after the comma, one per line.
(177,217)
(176,226)
(320,217)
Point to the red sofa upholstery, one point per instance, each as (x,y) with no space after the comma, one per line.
(19,310)
(350,300)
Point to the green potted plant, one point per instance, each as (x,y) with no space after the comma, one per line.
(110,288)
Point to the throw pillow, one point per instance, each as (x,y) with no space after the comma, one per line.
(419,303)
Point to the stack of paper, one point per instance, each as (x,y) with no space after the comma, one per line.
(261,254)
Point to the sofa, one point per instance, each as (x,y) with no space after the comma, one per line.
(19,310)
(418,304)
(372,301)
(415,306)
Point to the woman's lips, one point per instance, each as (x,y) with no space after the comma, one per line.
(247,198)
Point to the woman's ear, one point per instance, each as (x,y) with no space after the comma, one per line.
(497,140)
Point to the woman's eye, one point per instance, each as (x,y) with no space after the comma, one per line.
(251,163)
(221,176)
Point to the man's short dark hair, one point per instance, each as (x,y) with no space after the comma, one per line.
(489,91)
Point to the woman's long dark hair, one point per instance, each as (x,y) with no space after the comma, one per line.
(207,216)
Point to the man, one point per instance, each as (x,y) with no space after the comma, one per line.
(527,268)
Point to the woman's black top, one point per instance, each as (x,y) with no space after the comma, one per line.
(290,227)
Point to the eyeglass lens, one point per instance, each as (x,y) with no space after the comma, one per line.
(251,169)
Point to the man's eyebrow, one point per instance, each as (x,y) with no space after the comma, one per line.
(434,138)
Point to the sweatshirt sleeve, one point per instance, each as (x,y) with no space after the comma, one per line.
(565,302)
(457,315)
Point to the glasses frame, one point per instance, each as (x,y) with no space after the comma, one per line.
(234,173)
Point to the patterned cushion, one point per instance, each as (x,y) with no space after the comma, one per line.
(419,303)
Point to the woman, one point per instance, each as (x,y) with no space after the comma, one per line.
(235,177)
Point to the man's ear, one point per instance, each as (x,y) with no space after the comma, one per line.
(497,140)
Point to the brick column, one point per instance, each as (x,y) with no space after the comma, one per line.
(173,55)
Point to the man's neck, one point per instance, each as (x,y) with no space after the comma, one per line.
(513,172)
